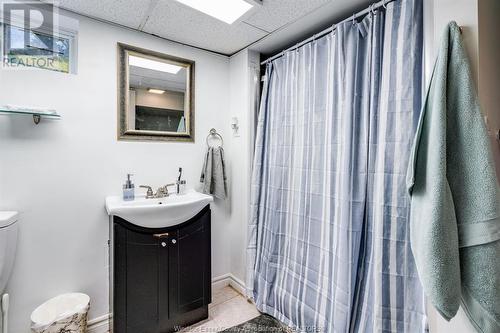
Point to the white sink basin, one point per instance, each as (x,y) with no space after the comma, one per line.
(158,213)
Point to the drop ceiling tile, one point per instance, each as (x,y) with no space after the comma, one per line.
(276,13)
(129,13)
(178,22)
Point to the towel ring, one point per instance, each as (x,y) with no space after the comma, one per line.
(213,132)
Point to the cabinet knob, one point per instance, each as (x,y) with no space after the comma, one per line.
(163,244)
(174,241)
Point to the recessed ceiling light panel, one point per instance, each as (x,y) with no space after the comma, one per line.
(225,10)
(156,91)
(152,64)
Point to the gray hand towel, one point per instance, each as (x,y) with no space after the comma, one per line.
(213,174)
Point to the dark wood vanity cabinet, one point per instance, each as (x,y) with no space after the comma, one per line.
(161,277)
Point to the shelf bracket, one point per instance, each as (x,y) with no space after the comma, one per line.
(37,118)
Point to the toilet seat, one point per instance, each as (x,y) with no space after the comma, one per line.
(8,218)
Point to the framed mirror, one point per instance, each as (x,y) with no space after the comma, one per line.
(155,96)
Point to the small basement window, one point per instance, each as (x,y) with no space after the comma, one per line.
(55,51)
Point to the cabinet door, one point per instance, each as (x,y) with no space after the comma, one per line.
(190,271)
(141,263)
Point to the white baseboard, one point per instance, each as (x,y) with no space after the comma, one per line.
(99,325)
(102,324)
(238,285)
(220,282)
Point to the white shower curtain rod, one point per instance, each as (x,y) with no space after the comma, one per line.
(328,30)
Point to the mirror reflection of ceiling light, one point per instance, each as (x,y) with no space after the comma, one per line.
(225,10)
(152,64)
(156,91)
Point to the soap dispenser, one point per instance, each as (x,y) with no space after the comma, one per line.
(128,189)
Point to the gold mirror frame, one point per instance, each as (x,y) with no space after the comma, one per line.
(124,133)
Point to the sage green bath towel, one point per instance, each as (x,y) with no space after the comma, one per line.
(455,202)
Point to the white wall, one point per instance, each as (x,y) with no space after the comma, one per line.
(489,69)
(437,14)
(244,77)
(58,173)
(481,34)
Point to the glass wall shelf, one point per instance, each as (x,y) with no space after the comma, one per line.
(37,114)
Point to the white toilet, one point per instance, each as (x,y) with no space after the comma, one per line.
(8,240)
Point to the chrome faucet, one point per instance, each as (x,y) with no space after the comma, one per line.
(162,191)
(165,188)
(149,193)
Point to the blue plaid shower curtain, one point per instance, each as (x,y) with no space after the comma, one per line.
(329,243)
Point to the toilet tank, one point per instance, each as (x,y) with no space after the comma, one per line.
(8,241)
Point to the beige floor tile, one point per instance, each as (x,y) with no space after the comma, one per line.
(223,295)
(234,312)
(228,309)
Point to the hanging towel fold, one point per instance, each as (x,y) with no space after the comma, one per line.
(182,125)
(455,213)
(213,174)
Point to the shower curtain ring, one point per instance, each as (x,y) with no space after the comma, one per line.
(372,9)
(384,4)
(354,19)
